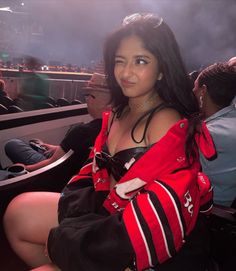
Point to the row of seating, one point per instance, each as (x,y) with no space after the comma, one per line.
(8,105)
(62,102)
(10,109)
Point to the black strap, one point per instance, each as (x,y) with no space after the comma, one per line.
(109,128)
(151,112)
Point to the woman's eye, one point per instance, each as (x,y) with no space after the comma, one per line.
(118,61)
(141,61)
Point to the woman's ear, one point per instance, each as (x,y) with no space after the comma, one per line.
(204,89)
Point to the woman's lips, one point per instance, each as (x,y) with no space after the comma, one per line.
(126,83)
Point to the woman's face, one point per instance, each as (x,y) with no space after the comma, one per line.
(136,69)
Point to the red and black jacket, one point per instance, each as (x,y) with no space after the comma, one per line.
(153,207)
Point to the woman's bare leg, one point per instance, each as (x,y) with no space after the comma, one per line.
(27,222)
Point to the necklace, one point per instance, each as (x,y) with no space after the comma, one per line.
(142,107)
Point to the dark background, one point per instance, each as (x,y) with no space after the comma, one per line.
(73,31)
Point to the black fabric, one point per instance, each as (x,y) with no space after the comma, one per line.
(223,239)
(88,238)
(116,164)
(194,255)
(90,243)
(80,138)
(79,198)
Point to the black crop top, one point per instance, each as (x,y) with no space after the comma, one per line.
(118,164)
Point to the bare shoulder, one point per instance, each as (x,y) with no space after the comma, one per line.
(161,122)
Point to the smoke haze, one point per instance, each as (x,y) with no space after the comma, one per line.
(73,31)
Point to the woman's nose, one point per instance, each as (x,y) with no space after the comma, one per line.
(127,70)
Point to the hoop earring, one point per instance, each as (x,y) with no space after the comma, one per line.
(160,76)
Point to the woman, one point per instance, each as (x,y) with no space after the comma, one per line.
(136,201)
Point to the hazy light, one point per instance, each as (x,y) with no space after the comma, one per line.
(6,9)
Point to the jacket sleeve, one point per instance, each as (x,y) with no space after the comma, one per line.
(159,219)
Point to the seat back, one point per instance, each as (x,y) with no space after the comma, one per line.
(3,109)
(6,101)
(62,102)
(222,226)
(14,109)
(76,102)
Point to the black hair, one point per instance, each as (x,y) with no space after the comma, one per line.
(175,87)
(220,80)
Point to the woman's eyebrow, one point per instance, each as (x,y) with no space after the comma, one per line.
(142,56)
(135,56)
(119,56)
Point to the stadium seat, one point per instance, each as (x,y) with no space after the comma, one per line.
(222,227)
(14,109)
(6,101)
(62,102)
(76,102)
(3,109)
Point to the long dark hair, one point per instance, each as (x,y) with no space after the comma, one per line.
(175,87)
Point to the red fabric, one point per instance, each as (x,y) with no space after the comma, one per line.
(205,142)
(85,172)
(160,176)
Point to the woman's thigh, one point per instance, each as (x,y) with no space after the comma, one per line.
(30,216)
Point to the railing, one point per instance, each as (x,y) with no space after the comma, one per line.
(50,125)
(61,84)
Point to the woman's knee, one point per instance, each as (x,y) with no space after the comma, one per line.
(31,213)
(17,213)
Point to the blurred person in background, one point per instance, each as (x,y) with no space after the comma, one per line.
(34,88)
(215,89)
(2,88)
(79,138)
